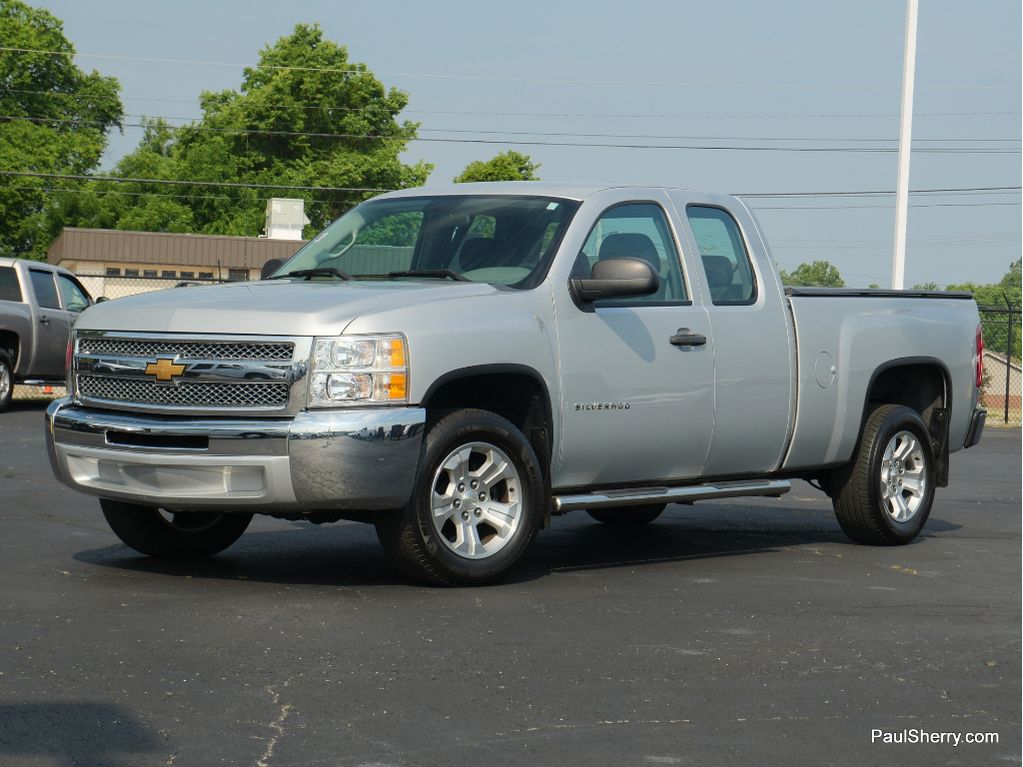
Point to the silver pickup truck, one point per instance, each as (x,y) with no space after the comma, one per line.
(38,305)
(457,364)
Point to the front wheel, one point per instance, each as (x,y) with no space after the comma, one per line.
(883,497)
(476,504)
(173,535)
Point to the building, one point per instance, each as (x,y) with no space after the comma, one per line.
(114,263)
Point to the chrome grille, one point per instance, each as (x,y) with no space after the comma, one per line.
(204,350)
(187,394)
(200,375)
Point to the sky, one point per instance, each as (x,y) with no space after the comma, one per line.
(534,76)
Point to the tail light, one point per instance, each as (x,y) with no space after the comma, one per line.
(980,355)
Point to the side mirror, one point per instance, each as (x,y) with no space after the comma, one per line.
(101,299)
(270,267)
(616,278)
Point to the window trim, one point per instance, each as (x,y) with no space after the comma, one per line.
(755,296)
(618,303)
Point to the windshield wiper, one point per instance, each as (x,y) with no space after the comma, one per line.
(442,274)
(321,271)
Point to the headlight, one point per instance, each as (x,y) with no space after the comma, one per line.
(359,370)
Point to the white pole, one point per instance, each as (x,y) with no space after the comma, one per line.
(905,139)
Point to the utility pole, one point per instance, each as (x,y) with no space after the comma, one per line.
(905,139)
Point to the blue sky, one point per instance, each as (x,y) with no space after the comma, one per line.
(818,74)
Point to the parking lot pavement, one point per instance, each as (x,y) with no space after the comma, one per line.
(748,631)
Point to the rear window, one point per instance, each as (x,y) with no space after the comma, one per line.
(10,290)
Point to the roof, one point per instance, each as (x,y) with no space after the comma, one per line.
(199,250)
(538,188)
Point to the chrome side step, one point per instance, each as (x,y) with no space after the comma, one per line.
(648,495)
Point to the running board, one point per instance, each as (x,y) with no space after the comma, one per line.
(650,495)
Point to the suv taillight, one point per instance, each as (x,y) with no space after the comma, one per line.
(980,355)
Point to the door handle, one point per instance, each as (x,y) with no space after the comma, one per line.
(44,320)
(686,337)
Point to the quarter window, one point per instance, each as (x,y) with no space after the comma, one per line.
(637,231)
(725,258)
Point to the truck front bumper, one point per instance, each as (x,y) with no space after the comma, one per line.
(358,460)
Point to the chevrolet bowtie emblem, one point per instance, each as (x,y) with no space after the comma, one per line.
(164,369)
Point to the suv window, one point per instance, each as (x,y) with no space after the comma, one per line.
(725,258)
(636,231)
(72,294)
(10,290)
(45,290)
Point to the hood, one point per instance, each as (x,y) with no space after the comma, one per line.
(278,307)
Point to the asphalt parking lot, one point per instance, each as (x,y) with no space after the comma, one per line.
(751,632)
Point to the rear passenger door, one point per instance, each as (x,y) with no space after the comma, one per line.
(753,363)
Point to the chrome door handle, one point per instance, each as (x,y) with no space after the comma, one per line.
(686,337)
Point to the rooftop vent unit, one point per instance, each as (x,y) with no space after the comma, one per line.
(284,219)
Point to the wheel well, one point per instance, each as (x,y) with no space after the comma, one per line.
(10,342)
(518,396)
(921,386)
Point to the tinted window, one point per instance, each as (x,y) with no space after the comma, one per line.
(10,290)
(45,290)
(635,231)
(723,252)
(74,296)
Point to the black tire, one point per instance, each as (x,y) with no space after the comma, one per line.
(868,490)
(182,535)
(628,516)
(6,380)
(425,550)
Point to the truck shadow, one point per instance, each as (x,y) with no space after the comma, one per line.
(348,554)
(65,733)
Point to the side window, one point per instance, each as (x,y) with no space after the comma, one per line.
(72,294)
(45,290)
(10,290)
(636,231)
(723,252)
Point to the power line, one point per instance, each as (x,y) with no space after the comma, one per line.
(845,208)
(312,134)
(360,69)
(177,182)
(601,115)
(578,144)
(884,192)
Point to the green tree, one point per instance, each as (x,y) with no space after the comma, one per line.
(822,274)
(1000,295)
(505,166)
(304,116)
(56,119)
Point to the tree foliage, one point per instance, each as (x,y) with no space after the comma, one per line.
(821,274)
(304,116)
(56,119)
(505,166)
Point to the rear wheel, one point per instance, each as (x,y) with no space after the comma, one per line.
(884,496)
(173,535)
(628,516)
(6,380)
(476,505)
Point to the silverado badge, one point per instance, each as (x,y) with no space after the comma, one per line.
(164,369)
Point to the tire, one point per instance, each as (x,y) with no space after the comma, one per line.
(166,535)
(883,497)
(6,380)
(476,504)
(628,516)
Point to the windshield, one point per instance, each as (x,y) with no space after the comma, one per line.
(498,240)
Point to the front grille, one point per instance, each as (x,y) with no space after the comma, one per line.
(207,375)
(196,350)
(187,394)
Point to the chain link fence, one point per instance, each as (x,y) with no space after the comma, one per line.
(1002,390)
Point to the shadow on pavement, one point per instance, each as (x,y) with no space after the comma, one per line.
(348,554)
(80,734)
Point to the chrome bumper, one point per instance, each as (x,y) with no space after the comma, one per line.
(320,460)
